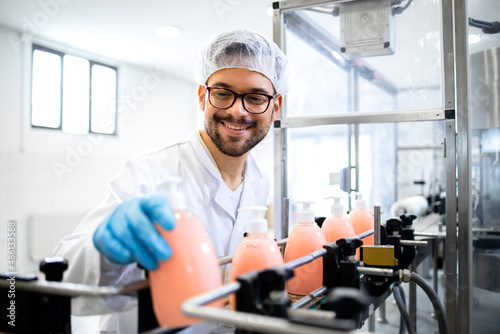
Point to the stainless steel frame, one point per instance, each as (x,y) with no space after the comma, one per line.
(457,149)
(247,321)
(450,266)
(280,191)
(364,118)
(464,168)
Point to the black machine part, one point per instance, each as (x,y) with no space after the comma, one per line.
(53,268)
(263,292)
(38,312)
(486,27)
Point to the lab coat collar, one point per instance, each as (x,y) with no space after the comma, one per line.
(252,175)
(252,171)
(251,195)
(204,154)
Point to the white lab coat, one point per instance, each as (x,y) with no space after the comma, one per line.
(208,197)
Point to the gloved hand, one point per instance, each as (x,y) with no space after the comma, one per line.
(129,235)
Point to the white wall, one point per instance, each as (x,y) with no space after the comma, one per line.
(45,171)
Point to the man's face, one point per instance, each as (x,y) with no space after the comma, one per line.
(235,131)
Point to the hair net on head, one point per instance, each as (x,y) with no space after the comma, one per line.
(243,49)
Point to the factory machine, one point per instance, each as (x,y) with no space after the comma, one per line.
(396,99)
(381,102)
(352,289)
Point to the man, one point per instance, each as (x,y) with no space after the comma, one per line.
(242,79)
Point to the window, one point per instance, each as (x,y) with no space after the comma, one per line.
(72,94)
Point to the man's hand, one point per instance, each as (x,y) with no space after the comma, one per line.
(129,235)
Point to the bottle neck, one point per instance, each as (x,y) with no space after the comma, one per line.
(306,223)
(256,235)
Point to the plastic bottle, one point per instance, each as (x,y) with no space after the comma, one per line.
(256,251)
(193,267)
(337,226)
(305,237)
(361,219)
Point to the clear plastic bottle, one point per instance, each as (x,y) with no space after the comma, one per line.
(361,219)
(193,267)
(256,251)
(305,237)
(337,226)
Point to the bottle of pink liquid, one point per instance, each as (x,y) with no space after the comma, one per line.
(337,226)
(193,267)
(305,237)
(362,219)
(256,251)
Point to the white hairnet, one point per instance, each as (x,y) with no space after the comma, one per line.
(243,49)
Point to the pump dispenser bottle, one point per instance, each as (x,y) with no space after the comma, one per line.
(337,226)
(193,267)
(305,237)
(361,219)
(256,251)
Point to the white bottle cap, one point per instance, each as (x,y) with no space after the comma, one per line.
(306,215)
(337,208)
(257,223)
(170,189)
(360,203)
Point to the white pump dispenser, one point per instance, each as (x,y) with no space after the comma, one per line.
(306,215)
(257,222)
(360,203)
(337,208)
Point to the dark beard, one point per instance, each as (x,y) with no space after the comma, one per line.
(232,147)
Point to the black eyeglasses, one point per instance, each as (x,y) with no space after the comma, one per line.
(222,98)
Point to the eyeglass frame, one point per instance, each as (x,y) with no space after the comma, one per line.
(236,95)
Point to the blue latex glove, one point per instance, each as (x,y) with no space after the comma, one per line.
(128,234)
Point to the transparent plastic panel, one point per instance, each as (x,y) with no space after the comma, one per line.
(46,90)
(313,155)
(377,166)
(485,171)
(317,85)
(421,165)
(403,169)
(326,81)
(484,109)
(396,162)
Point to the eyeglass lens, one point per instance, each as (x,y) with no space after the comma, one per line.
(252,102)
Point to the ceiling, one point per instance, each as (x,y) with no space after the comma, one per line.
(124,30)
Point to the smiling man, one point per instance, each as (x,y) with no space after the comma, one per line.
(242,78)
(240,106)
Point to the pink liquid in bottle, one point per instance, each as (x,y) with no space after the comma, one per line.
(305,238)
(362,220)
(192,269)
(256,251)
(337,226)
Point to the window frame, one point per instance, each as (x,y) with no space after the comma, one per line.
(61,113)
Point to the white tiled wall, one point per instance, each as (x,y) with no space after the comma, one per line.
(29,186)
